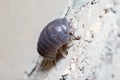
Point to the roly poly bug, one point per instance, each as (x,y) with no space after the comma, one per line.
(53,36)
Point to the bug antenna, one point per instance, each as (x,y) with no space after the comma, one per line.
(67,11)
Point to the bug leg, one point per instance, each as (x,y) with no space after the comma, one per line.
(55,64)
(74,37)
(62,53)
(63,50)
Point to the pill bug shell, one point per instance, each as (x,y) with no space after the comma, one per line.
(52,37)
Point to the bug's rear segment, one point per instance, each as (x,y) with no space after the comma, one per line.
(53,36)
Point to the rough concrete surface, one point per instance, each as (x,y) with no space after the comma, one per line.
(96,55)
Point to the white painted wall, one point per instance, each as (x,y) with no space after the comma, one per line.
(20,24)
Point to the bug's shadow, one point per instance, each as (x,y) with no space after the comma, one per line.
(46,65)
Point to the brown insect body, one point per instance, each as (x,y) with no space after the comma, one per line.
(53,36)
